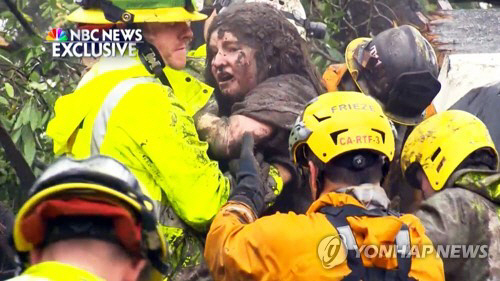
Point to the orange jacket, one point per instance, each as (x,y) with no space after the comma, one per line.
(286,246)
(333,75)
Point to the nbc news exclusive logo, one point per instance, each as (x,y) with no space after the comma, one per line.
(93,42)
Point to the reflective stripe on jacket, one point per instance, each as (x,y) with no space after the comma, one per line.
(292,247)
(120,110)
(55,271)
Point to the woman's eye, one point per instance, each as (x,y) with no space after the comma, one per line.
(233,49)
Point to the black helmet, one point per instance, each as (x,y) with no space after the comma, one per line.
(92,192)
(398,68)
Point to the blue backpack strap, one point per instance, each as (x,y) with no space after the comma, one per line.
(337,216)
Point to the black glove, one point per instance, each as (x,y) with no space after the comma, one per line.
(249,189)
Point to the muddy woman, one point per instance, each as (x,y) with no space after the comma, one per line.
(260,69)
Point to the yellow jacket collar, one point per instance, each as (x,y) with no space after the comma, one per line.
(58,271)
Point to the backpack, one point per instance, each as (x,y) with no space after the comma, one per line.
(337,216)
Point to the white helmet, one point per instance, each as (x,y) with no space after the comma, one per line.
(292,9)
(199,4)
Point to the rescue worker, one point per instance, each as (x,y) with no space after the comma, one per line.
(88,220)
(398,67)
(484,103)
(139,111)
(452,159)
(262,75)
(345,140)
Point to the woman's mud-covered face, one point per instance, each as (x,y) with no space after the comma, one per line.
(234,65)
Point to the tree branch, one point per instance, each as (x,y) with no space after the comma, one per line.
(24,23)
(316,50)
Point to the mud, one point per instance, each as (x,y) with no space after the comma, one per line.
(468,31)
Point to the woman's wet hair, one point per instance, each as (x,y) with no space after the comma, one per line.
(279,47)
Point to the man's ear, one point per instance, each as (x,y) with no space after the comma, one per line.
(313,179)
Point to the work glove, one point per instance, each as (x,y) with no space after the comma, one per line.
(249,189)
(269,175)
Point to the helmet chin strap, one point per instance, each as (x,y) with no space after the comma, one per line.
(149,55)
(152,60)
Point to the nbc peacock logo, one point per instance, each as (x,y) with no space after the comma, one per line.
(57,34)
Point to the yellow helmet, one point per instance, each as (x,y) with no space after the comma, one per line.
(338,122)
(135,11)
(440,143)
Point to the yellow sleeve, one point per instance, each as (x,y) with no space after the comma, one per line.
(167,145)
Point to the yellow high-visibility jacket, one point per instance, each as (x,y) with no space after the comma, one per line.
(55,271)
(119,109)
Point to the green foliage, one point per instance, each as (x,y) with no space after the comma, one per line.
(327,51)
(30,82)
(350,19)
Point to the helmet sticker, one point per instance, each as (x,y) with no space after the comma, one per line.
(353,106)
(374,55)
(366,139)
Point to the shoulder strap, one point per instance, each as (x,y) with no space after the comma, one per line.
(337,216)
(152,60)
(403,253)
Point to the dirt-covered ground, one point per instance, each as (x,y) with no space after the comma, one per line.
(469,31)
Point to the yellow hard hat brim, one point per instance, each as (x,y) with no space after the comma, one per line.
(174,14)
(20,242)
(352,66)
(354,70)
